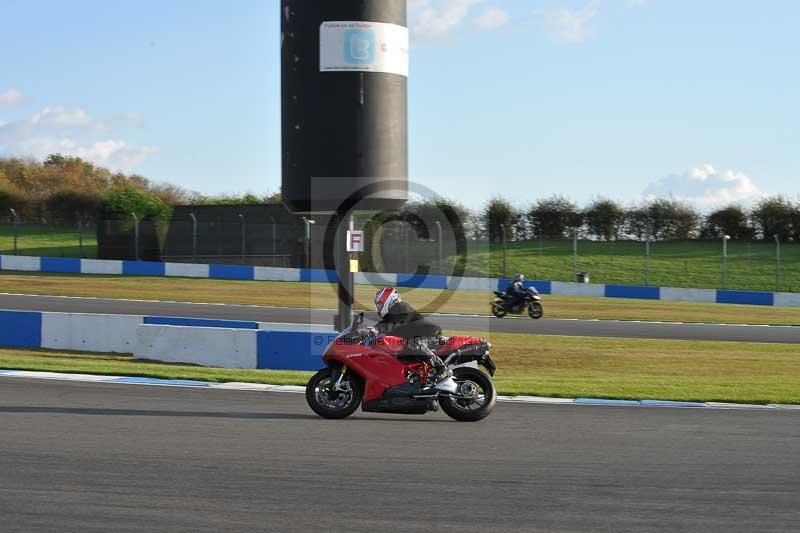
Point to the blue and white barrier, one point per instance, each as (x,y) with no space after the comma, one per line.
(207,342)
(229,348)
(232,347)
(94,333)
(251,273)
(21,329)
(689,295)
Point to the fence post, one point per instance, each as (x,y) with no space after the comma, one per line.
(14,222)
(307,221)
(647,262)
(244,235)
(725,239)
(441,247)
(274,236)
(503,236)
(135,236)
(80,234)
(575,255)
(194,236)
(778,263)
(407,242)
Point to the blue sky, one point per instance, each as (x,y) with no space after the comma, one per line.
(620,98)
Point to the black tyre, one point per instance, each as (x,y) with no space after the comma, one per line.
(498,311)
(535,310)
(480,390)
(328,403)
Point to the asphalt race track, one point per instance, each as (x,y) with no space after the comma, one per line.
(582,328)
(98,457)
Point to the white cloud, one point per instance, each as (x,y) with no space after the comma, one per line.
(416,4)
(129,157)
(572,25)
(61,118)
(706,186)
(435,20)
(12,97)
(70,132)
(115,151)
(493,18)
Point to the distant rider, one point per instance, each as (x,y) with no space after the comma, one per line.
(516,292)
(399,319)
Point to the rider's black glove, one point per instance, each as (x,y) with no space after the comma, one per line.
(368,336)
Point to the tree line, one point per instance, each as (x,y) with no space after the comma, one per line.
(602,219)
(64,189)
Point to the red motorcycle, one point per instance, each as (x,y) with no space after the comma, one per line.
(384,376)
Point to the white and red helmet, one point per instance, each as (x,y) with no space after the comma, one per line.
(385,299)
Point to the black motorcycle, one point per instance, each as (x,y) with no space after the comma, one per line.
(531,300)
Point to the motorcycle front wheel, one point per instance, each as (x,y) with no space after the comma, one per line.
(535,310)
(474,399)
(332,404)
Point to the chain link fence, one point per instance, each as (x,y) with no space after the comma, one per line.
(399,247)
(39,238)
(717,264)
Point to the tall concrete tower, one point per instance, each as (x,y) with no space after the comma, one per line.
(344,100)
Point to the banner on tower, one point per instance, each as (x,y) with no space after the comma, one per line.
(357,46)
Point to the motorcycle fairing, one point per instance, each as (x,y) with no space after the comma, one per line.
(401,399)
(380,363)
(377,364)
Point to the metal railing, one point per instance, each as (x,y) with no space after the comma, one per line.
(763,265)
(25,237)
(766,265)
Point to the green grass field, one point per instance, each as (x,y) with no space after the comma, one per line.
(323,295)
(695,264)
(540,366)
(47,241)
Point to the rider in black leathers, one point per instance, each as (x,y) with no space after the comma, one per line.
(399,319)
(515,293)
(404,321)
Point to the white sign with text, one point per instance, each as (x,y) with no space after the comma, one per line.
(357,46)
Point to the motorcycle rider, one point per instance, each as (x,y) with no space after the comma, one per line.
(515,293)
(399,319)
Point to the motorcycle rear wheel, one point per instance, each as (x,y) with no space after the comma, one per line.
(498,311)
(535,310)
(328,403)
(464,410)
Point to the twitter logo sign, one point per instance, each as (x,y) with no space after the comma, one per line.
(360,47)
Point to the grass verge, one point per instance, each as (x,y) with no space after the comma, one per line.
(49,241)
(647,369)
(697,264)
(323,295)
(125,365)
(538,365)
(751,265)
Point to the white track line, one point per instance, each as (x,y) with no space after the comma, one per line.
(294,389)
